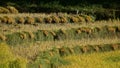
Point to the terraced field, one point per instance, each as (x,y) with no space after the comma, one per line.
(70,41)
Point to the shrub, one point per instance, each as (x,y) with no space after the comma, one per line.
(30,20)
(12,9)
(4,10)
(21,20)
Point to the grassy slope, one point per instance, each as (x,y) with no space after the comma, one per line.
(95,60)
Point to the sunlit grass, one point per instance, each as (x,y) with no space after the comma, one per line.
(94,60)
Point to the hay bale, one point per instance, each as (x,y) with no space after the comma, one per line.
(4,10)
(31,35)
(48,20)
(111,29)
(81,19)
(96,48)
(3,19)
(74,19)
(30,20)
(10,20)
(12,9)
(71,50)
(86,30)
(40,19)
(115,46)
(21,20)
(23,35)
(0,19)
(3,37)
(53,33)
(40,66)
(88,18)
(78,31)
(45,33)
(64,51)
(118,28)
(63,19)
(55,19)
(63,31)
(97,29)
(84,49)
